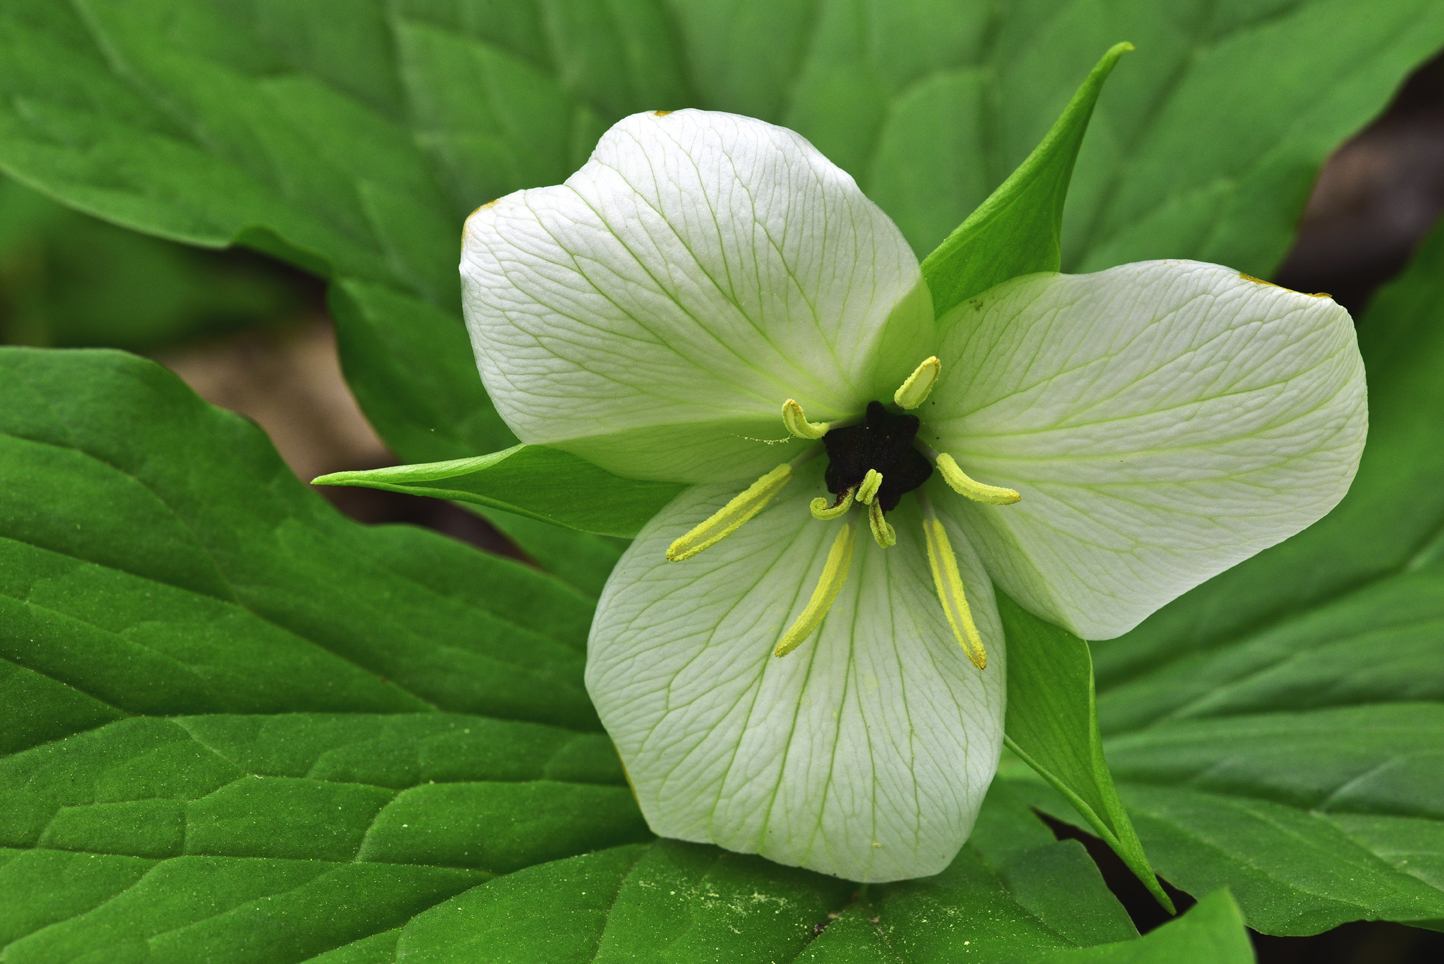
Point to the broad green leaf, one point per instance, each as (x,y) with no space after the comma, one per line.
(1212,932)
(1279,728)
(1014,891)
(275,837)
(579,558)
(357,151)
(158,557)
(1052,725)
(1012,894)
(67,280)
(239,727)
(665,901)
(1018,229)
(530,480)
(409,364)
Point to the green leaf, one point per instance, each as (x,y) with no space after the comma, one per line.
(531,480)
(275,837)
(410,366)
(1279,728)
(1052,725)
(236,726)
(1018,229)
(1013,893)
(356,151)
(579,558)
(210,580)
(1014,888)
(665,901)
(1212,932)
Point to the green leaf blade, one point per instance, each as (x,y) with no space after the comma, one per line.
(160,618)
(201,836)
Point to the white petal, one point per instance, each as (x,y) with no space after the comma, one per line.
(701,269)
(864,754)
(1162,420)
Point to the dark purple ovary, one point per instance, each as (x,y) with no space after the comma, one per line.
(882,441)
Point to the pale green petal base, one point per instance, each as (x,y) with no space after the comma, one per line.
(1163,421)
(864,754)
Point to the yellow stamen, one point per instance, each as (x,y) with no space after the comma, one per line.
(834,573)
(950,591)
(960,482)
(730,517)
(870,484)
(919,384)
(882,530)
(797,423)
(822,510)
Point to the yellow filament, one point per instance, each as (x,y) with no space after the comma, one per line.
(961,483)
(797,423)
(870,484)
(919,384)
(882,530)
(730,517)
(822,510)
(834,573)
(950,591)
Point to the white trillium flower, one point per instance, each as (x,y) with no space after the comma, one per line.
(711,301)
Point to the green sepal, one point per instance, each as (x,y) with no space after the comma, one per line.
(531,480)
(1052,725)
(1018,229)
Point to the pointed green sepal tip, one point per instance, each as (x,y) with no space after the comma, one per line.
(1018,229)
(536,481)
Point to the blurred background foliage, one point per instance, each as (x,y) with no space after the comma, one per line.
(68,280)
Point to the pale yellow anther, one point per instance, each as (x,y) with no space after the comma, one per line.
(919,384)
(882,530)
(730,517)
(961,483)
(834,573)
(797,423)
(871,482)
(949,584)
(821,509)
